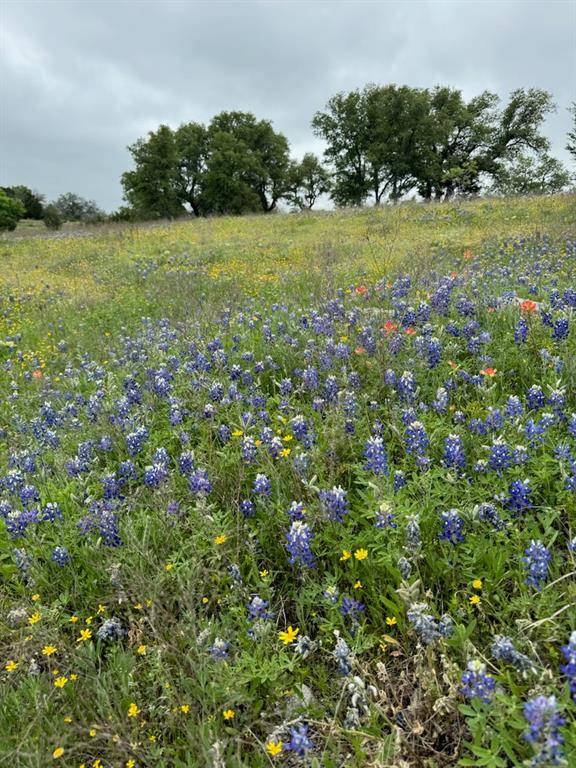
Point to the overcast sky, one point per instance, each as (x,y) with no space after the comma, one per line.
(81,80)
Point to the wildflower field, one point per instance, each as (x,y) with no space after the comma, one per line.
(295,490)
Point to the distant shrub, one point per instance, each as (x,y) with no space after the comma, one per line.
(52,218)
(11,211)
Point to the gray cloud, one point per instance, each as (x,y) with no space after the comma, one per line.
(81,80)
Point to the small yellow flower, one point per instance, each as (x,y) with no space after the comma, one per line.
(274,748)
(151,737)
(185,708)
(138,606)
(285,452)
(36,597)
(130,763)
(141,649)
(361,554)
(220,539)
(48,650)
(101,608)
(358,584)
(288,438)
(289,635)
(73,676)
(391,620)
(346,555)
(89,619)
(204,600)
(263,573)
(92,732)
(475,599)
(237,433)
(67,719)
(228,714)
(35,618)
(60,682)
(58,752)
(477,584)
(73,619)
(10,665)
(168,567)
(133,710)
(85,634)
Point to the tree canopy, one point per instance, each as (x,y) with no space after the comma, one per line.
(385,141)
(11,211)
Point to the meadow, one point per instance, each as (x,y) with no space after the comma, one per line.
(291,490)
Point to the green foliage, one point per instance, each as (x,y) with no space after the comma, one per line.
(308,180)
(386,141)
(238,164)
(72,207)
(52,217)
(11,211)
(32,201)
(531,175)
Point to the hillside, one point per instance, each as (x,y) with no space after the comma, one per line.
(291,490)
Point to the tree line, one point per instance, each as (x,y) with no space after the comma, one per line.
(382,144)
(21,202)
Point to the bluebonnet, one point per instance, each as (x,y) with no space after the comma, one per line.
(199,482)
(452,527)
(262,485)
(399,480)
(299,742)
(519,495)
(561,329)
(569,669)
(544,723)
(503,649)
(454,455)
(500,456)
(298,540)
(219,649)
(258,609)
(335,503)
(476,683)
(247,508)
(537,564)
(376,456)
(60,556)
(427,627)
(487,513)
(111,629)
(342,655)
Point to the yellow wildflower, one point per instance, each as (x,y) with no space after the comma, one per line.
(220,539)
(346,555)
(361,554)
(228,714)
(85,634)
(58,752)
(60,682)
(289,635)
(133,710)
(274,748)
(48,650)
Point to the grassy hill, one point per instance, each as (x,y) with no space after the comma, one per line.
(291,490)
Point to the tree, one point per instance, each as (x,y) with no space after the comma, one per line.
(571,145)
(72,207)
(531,175)
(191,144)
(307,181)
(261,157)
(52,218)
(154,187)
(385,140)
(11,211)
(32,201)
(344,127)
